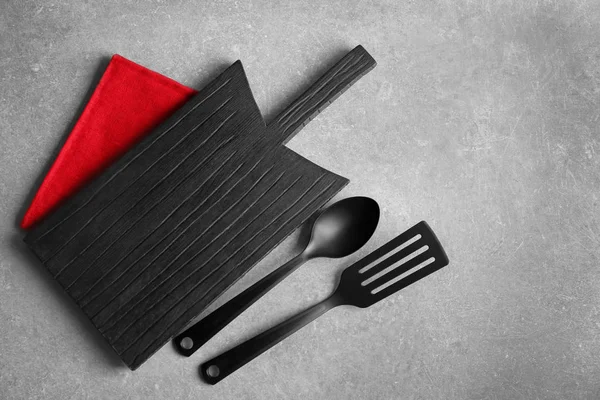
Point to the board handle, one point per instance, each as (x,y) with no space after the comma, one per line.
(323,92)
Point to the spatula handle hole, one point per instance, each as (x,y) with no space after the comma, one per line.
(213,371)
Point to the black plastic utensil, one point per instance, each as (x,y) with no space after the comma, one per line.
(361,285)
(339,231)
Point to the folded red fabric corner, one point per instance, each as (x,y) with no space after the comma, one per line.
(129,101)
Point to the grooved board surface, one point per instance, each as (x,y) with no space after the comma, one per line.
(155,239)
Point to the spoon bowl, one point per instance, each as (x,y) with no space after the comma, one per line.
(343,228)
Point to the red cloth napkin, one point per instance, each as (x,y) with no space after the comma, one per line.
(129,101)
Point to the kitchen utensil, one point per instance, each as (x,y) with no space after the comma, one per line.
(362,285)
(339,231)
(162,232)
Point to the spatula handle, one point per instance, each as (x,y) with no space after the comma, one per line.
(323,92)
(198,334)
(220,367)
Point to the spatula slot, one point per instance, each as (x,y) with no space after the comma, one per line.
(387,256)
(395,265)
(402,276)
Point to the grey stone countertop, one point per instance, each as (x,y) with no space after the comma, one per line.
(480,118)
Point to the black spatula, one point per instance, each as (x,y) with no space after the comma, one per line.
(362,285)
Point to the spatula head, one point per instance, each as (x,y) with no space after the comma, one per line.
(407,258)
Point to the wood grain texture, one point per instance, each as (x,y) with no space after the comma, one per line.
(169,227)
(322,93)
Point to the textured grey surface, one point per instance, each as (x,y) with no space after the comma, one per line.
(481,118)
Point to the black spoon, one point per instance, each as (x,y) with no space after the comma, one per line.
(339,231)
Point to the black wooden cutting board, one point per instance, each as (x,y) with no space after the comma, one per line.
(150,243)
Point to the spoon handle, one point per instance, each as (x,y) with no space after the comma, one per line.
(221,366)
(198,334)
